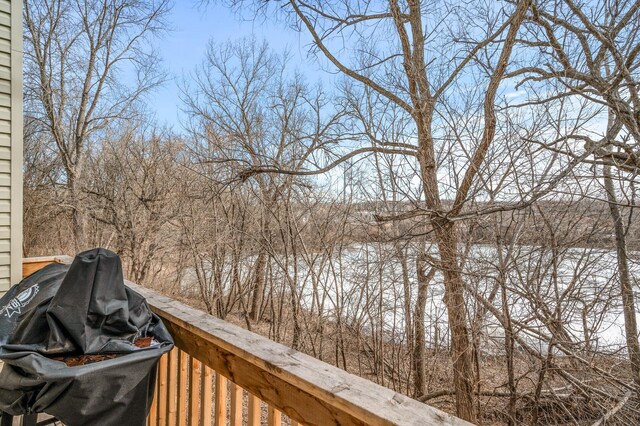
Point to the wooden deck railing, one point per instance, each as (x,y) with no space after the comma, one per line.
(221,374)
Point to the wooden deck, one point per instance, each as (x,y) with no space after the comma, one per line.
(221,374)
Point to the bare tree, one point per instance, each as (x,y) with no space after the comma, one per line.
(133,191)
(468,240)
(590,51)
(246,110)
(42,170)
(417,89)
(86,64)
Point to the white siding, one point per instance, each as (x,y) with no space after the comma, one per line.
(10,142)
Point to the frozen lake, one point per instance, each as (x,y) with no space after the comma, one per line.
(574,290)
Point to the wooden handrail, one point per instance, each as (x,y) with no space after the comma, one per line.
(305,389)
(33,264)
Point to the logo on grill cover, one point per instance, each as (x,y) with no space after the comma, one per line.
(16,304)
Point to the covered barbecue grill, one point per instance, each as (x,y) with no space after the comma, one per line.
(79,345)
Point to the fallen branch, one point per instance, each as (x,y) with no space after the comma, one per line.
(613,410)
(449,392)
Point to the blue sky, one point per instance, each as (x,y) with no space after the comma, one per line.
(184,47)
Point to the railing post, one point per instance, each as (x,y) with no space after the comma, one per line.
(162,390)
(193,392)
(173,387)
(274,417)
(206,383)
(254,410)
(236,405)
(221,400)
(182,388)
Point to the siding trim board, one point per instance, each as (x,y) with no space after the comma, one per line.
(11,14)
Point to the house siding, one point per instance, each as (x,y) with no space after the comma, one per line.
(10,143)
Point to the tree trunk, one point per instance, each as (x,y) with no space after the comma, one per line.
(461,349)
(626,287)
(401,254)
(447,241)
(258,284)
(509,348)
(77,212)
(420,342)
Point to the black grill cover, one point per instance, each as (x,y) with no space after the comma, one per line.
(80,309)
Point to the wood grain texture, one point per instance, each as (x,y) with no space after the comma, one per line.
(33,264)
(206,403)
(194,391)
(183,380)
(274,417)
(152,418)
(235,415)
(173,387)
(254,411)
(305,389)
(161,383)
(221,400)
